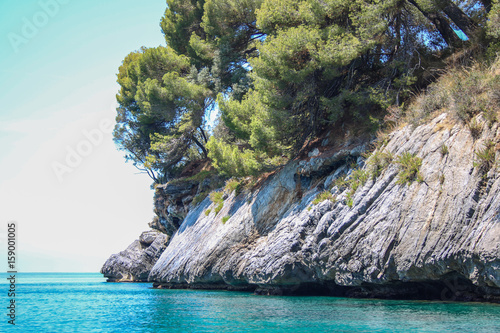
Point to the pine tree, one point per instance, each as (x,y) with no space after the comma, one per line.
(283,71)
(162,103)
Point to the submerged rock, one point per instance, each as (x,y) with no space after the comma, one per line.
(434,238)
(134,264)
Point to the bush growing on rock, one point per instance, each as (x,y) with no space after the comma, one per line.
(409,168)
(323,196)
(485,158)
(218,200)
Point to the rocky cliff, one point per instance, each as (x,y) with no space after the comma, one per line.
(419,218)
(172,202)
(134,264)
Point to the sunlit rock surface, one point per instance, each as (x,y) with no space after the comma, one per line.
(135,263)
(439,238)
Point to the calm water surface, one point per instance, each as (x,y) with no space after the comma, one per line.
(70,302)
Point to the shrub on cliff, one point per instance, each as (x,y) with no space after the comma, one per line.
(409,165)
(217,199)
(231,161)
(464,92)
(323,196)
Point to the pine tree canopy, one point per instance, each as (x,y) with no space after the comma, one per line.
(281,72)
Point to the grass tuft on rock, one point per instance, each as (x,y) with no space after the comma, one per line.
(409,168)
(325,195)
(217,198)
(485,158)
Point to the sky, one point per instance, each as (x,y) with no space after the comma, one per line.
(63,181)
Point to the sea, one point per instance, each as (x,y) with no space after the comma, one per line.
(84,302)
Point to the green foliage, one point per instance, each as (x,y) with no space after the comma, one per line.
(350,200)
(160,113)
(182,20)
(494,20)
(485,158)
(464,92)
(225,219)
(358,178)
(493,30)
(218,35)
(409,168)
(217,199)
(231,161)
(229,27)
(198,177)
(341,183)
(250,120)
(382,140)
(435,98)
(294,68)
(325,195)
(324,61)
(218,208)
(475,91)
(444,150)
(234,185)
(355,180)
(207,212)
(378,161)
(475,128)
(201,176)
(285,71)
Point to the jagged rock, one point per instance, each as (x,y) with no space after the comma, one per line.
(134,264)
(173,200)
(171,206)
(435,238)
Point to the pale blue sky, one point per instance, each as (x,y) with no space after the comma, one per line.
(57,83)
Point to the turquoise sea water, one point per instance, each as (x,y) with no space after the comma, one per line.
(74,302)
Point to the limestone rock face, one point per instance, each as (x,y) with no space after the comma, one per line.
(172,202)
(440,236)
(171,206)
(134,264)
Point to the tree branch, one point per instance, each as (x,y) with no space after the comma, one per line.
(202,147)
(461,19)
(441,24)
(203,134)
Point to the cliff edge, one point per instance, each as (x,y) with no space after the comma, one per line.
(416,218)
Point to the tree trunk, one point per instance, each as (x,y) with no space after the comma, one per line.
(203,134)
(461,19)
(441,23)
(202,147)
